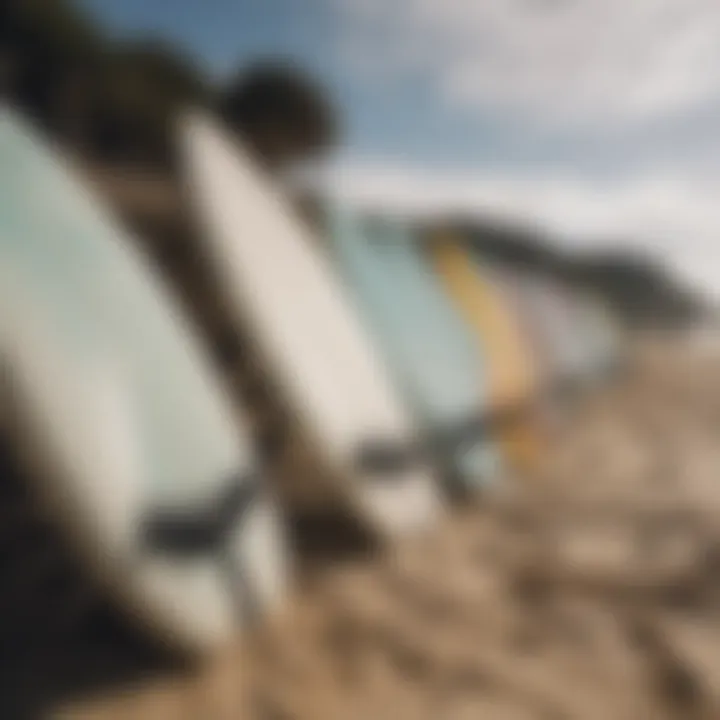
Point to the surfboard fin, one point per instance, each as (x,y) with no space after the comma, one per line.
(188,534)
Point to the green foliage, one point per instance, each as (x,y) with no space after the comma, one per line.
(643,292)
(281,113)
(107,98)
(140,90)
(117,100)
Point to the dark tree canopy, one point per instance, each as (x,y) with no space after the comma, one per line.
(118,100)
(111,100)
(643,291)
(45,46)
(281,113)
(144,85)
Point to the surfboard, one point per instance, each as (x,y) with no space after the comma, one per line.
(559,326)
(131,441)
(281,286)
(530,321)
(497,333)
(427,348)
(603,336)
(593,333)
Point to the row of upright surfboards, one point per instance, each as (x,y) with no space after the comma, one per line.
(396,355)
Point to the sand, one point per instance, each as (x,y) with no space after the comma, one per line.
(588,591)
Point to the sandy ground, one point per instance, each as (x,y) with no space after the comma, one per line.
(590,590)
(585,591)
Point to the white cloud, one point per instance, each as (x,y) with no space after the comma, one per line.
(590,66)
(583,62)
(673,218)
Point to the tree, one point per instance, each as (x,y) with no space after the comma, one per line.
(103,98)
(280,112)
(144,85)
(47,46)
(642,291)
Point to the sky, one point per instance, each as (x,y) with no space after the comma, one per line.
(598,120)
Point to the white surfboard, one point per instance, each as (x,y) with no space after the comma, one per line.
(553,312)
(130,439)
(281,286)
(604,336)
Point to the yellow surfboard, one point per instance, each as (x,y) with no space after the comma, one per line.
(513,381)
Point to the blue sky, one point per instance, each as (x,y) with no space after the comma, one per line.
(595,118)
(386,112)
(402,119)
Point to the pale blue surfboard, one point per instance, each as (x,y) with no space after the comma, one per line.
(419,335)
(139,444)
